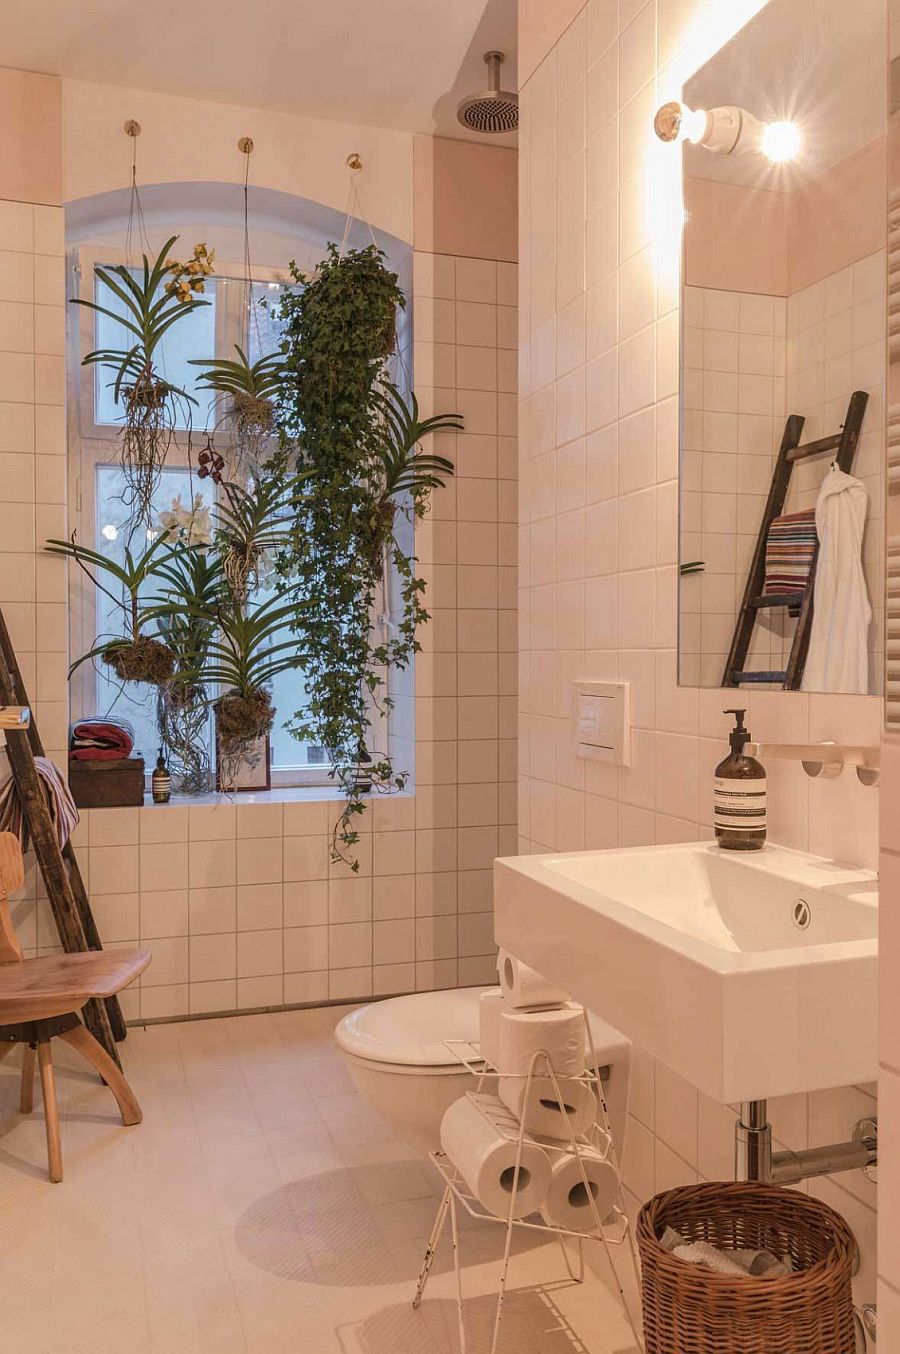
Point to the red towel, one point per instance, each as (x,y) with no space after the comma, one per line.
(95,740)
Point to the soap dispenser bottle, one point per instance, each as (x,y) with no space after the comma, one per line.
(740,794)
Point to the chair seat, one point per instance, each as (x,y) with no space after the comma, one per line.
(38,989)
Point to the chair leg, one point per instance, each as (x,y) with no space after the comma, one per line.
(82,1040)
(51,1113)
(26,1094)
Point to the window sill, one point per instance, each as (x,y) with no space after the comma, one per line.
(279,794)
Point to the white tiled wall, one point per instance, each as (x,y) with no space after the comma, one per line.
(734,409)
(33,454)
(599,329)
(239,903)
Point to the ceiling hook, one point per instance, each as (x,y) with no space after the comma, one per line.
(131,127)
(354,162)
(245,145)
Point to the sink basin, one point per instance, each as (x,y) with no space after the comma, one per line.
(753,974)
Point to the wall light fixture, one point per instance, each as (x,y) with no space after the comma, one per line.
(728,130)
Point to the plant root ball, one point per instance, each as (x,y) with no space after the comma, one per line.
(241,720)
(141,660)
(253,411)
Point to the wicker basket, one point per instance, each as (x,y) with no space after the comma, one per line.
(691,1310)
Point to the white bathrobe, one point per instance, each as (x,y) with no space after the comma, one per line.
(838,658)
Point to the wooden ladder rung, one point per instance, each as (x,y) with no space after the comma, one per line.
(816,448)
(759,676)
(790,599)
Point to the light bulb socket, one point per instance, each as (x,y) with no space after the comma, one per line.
(668,121)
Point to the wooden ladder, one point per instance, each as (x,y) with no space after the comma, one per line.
(843,445)
(59,867)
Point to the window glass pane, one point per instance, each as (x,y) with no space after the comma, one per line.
(289,698)
(192,336)
(264,327)
(133,701)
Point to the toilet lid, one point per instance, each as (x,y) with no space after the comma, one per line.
(411,1030)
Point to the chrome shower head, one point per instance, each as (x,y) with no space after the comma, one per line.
(496,110)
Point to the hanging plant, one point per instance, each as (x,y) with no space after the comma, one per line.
(193,578)
(135,656)
(254,526)
(150,404)
(359,439)
(244,653)
(226,617)
(249,390)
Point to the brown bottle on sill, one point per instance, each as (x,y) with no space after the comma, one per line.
(740,794)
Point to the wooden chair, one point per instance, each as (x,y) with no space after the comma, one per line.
(40,1000)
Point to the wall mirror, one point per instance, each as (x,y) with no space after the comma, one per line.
(784,350)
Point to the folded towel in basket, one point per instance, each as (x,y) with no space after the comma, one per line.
(101,740)
(745,1263)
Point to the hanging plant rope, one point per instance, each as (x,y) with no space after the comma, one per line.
(249,387)
(135,225)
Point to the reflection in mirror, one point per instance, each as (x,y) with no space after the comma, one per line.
(784,342)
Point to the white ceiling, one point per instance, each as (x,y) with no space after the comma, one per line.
(819,63)
(403,64)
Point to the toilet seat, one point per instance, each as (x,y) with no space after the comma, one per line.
(409,1033)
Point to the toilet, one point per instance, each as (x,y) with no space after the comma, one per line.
(398,1058)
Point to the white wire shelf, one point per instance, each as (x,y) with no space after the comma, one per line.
(596,1142)
(614,1232)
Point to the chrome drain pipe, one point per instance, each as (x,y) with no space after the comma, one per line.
(755,1160)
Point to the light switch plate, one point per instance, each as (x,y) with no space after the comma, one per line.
(601,719)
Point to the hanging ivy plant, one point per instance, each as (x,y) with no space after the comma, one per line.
(353,431)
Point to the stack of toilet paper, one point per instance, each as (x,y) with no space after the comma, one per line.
(524,1017)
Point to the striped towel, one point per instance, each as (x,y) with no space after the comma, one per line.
(63,813)
(790,551)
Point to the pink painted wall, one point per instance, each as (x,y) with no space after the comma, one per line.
(838,218)
(735,237)
(465,199)
(31,118)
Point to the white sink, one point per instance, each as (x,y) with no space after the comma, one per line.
(695,954)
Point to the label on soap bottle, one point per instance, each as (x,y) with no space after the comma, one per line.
(739,804)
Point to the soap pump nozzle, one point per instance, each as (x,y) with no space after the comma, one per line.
(739,736)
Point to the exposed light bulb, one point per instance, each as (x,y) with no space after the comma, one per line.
(693,124)
(780,142)
(109,532)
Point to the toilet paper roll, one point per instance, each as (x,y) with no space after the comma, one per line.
(558,1033)
(568,1202)
(539,1109)
(490,1007)
(522,987)
(486,1160)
